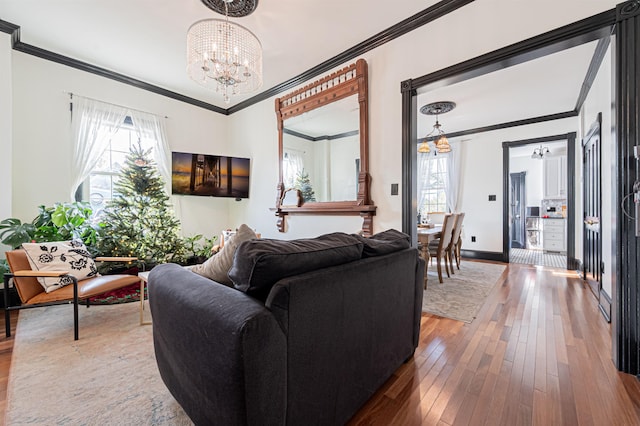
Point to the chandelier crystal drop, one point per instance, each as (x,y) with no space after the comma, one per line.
(224,56)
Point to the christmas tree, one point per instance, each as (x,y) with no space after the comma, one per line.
(139,221)
(304,185)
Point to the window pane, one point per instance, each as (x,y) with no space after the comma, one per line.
(103,163)
(100,184)
(120,141)
(118,160)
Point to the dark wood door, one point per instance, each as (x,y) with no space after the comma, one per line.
(592,208)
(517,212)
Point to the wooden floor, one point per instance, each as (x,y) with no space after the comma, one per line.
(6,347)
(538,354)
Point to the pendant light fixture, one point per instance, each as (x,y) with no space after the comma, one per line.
(437,134)
(540,153)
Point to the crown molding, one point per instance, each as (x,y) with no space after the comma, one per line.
(430,14)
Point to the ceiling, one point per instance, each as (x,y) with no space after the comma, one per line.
(146,40)
(547,85)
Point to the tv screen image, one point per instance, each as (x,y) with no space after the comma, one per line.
(209,175)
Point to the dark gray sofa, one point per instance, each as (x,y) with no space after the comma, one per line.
(313,328)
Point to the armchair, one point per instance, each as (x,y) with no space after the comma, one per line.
(33,295)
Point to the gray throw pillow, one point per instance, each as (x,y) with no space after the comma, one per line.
(218,265)
(384,242)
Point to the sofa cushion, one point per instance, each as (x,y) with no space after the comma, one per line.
(217,266)
(384,243)
(259,264)
(71,256)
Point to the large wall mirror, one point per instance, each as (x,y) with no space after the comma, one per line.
(323,148)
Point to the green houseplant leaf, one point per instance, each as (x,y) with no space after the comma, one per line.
(13,232)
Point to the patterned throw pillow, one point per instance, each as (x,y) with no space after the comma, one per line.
(69,256)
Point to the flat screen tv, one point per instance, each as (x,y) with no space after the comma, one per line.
(209,175)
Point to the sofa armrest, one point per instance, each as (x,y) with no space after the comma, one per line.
(220,352)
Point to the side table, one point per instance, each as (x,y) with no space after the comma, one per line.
(144,278)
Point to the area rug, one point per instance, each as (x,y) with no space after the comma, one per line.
(462,295)
(107,377)
(130,293)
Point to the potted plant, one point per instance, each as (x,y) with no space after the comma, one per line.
(60,222)
(199,251)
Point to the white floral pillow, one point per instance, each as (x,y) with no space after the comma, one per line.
(69,256)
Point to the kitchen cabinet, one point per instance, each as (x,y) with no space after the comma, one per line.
(554,235)
(555,177)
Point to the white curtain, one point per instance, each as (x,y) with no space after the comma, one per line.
(92,125)
(150,128)
(292,164)
(454,176)
(424,174)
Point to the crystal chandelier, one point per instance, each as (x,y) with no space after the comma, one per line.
(224,55)
(441,142)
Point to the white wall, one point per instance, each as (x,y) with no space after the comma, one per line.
(482,176)
(5,127)
(42,141)
(480,27)
(41,124)
(344,177)
(599,100)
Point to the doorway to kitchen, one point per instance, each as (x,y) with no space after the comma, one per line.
(537,213)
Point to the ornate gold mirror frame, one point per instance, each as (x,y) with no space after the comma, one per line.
(349,81)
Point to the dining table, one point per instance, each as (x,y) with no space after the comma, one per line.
(425,236)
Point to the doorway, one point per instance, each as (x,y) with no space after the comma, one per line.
(538,206)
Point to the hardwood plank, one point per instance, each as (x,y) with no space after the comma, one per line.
(6,349)
(539,353)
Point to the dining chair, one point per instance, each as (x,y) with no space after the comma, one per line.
(454,246)
(439,249)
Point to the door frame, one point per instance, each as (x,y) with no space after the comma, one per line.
(572,262)
(621,23)
(566,37)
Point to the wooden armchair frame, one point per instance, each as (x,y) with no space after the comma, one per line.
(32,295)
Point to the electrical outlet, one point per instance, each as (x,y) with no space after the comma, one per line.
(394,189)
(473,239)
(492,198)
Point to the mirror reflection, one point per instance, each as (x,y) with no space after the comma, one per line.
(321,152)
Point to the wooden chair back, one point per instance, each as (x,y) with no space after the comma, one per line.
(457,228)
(447,232)
(27,287)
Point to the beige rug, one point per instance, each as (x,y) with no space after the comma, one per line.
(462,295)
(108,377)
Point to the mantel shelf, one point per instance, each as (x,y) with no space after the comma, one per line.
(328,210)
